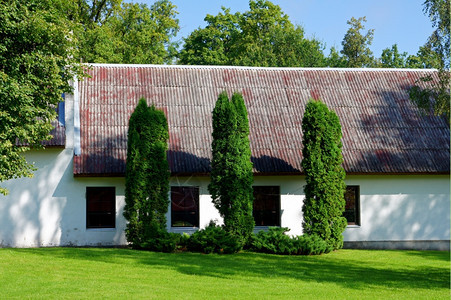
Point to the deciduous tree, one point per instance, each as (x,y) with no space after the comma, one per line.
(211,45)
(433,97)
(392,58)
(262,36)
(356,50)
(324,190)
(37,53)
(114,31)
(335,60)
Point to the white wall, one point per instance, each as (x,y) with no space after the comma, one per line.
(395,207)
(402,207)
(50,209)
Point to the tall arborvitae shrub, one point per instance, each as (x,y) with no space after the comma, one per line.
(147,174)
(245,176)
(324,190)
(231,175)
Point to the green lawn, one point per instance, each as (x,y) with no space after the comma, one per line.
(120,273)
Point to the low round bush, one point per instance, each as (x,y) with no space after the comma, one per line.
(311,245)
(158,239)
(275,241)
(213,239)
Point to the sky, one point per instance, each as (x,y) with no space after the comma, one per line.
(394,21)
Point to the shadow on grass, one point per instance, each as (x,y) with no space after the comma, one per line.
(431,255)
(353,269)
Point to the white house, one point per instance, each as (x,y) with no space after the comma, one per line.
(397,161)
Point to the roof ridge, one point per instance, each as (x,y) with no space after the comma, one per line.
(109,65)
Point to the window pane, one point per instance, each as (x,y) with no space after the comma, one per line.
(266,210)
(184,206)
(351,212)
(100,207)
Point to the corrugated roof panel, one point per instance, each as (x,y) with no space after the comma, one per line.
(382,131)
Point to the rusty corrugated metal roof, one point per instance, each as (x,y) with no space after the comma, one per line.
(59,136)
(58,139)
(383,131)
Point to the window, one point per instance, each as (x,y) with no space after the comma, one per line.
(352,209)
(184,206)
(61,112)
(266,205)
(100,207)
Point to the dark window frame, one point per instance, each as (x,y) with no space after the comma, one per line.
(107,218)
(355,211)
(273,219)
(185,216)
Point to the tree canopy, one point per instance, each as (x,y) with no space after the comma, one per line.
(37,58)
(439,41)
(433,97)
(113,31)
(392,58)
(41,43)
(262,36)
(356,46)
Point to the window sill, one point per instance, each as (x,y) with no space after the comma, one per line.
(184,229)
(353,226)
(101,229)
(265,227)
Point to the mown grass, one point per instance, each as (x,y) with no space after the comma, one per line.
(74,273)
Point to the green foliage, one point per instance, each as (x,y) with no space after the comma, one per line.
(214,239)
(432,96)
(312,245)
(439,41)
(36,59)
(88,12)
(211,45)
(147,174)
(334,60)
(262,36)
(158,239)
(231,174)
(356,49)
(119,32)
(324,190)
(275,241)
(391,58)
(182,241)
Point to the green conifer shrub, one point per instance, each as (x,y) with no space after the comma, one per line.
(214,239)
(146,176)
(324,190)
(275,241)
(231,174)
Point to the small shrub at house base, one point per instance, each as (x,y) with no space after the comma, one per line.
(275,241)
(214,239)
(158,239)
